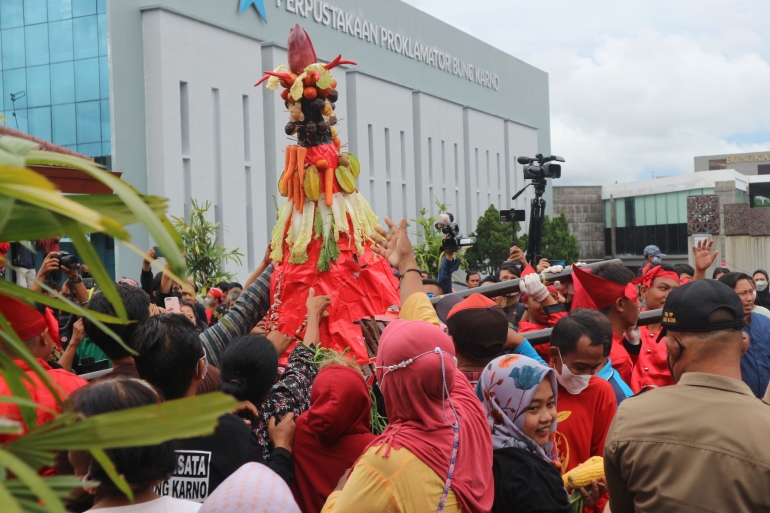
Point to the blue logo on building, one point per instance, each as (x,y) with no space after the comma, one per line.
(259,4)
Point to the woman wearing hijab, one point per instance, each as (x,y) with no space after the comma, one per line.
(436,453)
(519,396)
(253,487)
(763,292)
(331,435)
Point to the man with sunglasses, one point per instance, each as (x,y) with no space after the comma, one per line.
(699,445)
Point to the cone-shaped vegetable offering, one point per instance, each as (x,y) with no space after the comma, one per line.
(322,237)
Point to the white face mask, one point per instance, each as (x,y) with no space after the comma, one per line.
(572,382)
(761,285)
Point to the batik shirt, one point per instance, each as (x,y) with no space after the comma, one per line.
(290,395)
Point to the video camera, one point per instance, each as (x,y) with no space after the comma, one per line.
(453,240)
(541,167)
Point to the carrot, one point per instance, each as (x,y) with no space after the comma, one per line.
(338,143)
(282,185)
(301,199)
(290,167)
(290,185)
(301,154)
(297,191)
(286,157)
(329,186)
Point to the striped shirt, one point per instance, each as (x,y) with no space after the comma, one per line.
(250,308)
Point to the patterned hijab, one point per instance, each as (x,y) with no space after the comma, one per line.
(506,388)
(253,487)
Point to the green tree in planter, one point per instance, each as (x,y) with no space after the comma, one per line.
(204,254)
(493,242)
(558,242)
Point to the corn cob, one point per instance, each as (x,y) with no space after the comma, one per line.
(583,474)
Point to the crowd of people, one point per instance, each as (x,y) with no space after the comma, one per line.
(478,418)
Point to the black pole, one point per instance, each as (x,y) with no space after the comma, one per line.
(544,336)
(506,287)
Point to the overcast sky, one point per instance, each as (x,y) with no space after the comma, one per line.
(636,86)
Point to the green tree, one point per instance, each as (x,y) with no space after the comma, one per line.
(204,255)
(493,242)
(558,242)
(31,207)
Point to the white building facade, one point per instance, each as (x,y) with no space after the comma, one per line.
(431,112)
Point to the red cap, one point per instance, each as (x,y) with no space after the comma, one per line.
(595,293)
(528,270)
(472,301)
(216,293)
(25,320)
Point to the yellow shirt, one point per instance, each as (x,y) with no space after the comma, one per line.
(418,307)
(399,483)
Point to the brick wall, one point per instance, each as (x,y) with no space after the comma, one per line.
(584,209)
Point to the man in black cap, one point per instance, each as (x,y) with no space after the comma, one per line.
(700,445)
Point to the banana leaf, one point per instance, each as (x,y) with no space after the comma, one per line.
(27,222)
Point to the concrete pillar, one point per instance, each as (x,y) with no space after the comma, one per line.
(613,226)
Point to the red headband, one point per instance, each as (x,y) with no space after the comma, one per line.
(595,293)
(657,272)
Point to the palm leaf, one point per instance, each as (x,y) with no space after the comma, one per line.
(25,185)
(104,461)
(89,256)
(162,232)
(28,222)
(8,499)
(35,483)
(6,207)
(9,337)
(58,302)
(147,425)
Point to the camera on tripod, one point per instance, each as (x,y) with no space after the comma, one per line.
(453,239)
(541,167)
(65,260)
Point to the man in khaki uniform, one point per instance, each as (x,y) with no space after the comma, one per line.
(701,445)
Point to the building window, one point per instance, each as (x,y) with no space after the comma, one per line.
(55,53)
(763,169)
(717,164)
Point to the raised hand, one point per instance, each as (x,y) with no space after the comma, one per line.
(517,255)
(395,245)
(703,255)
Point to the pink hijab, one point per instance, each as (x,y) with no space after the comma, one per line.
(433,411)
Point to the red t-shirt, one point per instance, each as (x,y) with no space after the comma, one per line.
(621,361)
(583,422)
(651,367)
(67,381)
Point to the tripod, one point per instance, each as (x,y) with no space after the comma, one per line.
(536,219)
